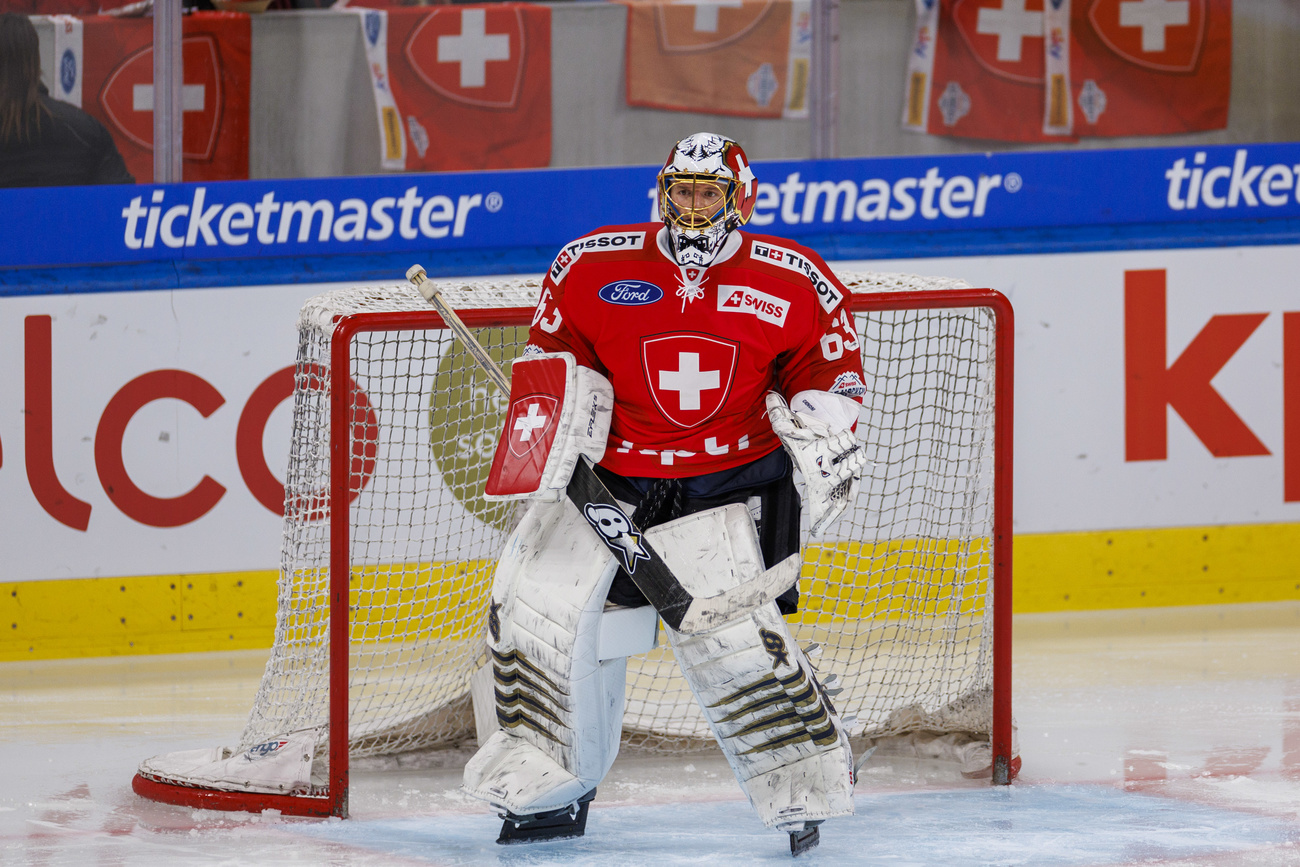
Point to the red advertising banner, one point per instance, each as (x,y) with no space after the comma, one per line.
(748,58)
(989,71)
(1050,70)
(473,85)
(1156,67)
(118,90)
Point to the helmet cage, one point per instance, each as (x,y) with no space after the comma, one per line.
(687,212)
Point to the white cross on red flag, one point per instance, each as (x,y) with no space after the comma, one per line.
(1050,70)
(117,90)
(472,84)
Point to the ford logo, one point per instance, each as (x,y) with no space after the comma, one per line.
(630,293)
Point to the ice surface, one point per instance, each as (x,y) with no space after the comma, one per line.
(1160,737)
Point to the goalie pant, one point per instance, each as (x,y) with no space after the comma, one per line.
(560,706)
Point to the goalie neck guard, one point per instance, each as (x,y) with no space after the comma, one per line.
(706,189)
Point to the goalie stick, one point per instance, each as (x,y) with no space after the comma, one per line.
(679,609)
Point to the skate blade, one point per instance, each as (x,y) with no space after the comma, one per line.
(802,841)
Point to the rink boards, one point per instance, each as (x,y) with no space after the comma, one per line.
(1112,508)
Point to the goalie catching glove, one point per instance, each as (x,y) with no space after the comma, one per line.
(831,461)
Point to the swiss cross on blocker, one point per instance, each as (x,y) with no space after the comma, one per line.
(471,55)
(537,389)
(530,421)
(689,375)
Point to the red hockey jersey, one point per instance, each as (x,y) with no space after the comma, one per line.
(692,352)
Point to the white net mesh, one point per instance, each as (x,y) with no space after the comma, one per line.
(898,593)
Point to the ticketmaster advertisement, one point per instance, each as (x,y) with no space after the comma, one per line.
(515,220)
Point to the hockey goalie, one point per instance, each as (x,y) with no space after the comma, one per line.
(696,367)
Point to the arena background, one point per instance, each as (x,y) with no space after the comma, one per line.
(102,287)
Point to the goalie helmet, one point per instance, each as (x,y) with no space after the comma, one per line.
(706,189)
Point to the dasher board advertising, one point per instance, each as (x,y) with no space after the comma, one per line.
(514,221)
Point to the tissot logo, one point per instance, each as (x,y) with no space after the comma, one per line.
(827,295)
(630,293)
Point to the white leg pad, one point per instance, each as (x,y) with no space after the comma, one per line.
(775,725)
(560,708)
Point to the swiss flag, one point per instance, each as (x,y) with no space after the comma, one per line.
(118,90)
(537,388)
(473,84)
(689,375)
(736,57)
(989,71)
(1150,67)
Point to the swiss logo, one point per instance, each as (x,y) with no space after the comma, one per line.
(742,299)
(1006,36)
(1165,35)
(689,375)
(689,27)
(630,293)
(128,97)
(530,422)
(471,55)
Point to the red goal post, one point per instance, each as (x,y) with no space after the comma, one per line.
(910,598)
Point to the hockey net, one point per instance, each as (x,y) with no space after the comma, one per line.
(899,595)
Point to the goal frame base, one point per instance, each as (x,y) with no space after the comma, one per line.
(177,794)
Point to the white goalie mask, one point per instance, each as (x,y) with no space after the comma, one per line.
(706,189)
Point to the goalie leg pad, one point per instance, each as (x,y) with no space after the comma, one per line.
(774,722)
(559,707)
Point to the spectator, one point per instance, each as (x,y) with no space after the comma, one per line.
(44,142)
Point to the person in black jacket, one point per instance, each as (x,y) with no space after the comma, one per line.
(44,142)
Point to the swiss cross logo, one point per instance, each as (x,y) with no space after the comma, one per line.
(537,392)
(689,375)
(1166,35)
(685,26)
(529,422)
(1006,36)
(471,55)
(128,97)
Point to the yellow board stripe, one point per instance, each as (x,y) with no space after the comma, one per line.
(1156,568)
(1054,572)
